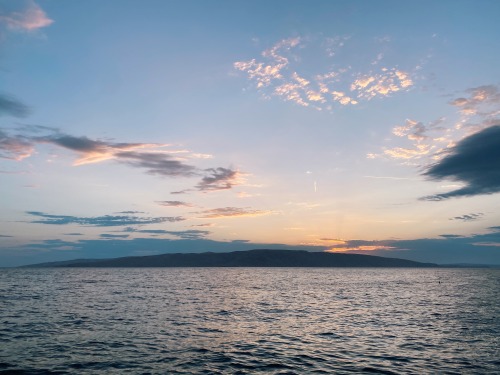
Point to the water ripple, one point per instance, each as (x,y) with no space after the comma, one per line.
(247,321)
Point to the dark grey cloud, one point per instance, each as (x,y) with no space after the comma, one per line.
(185,191)
(79,144)
(13,107)
(474,161)
(99,221)
(450,236)
(190,234)
(218,179)
(468,217)
(73,234)
(174,204)
(5,236)
(106,235)
(156,163)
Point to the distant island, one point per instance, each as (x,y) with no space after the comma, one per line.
(248,258)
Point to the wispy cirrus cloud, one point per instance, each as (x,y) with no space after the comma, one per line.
(98,221)
(225,212)
(24,16)
(280,71)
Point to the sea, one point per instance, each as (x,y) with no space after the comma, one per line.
(249,321)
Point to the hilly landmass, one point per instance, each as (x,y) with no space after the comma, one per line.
(248,258)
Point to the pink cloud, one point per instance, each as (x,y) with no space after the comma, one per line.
(31,18)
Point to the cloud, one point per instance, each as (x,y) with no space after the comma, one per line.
(474,161)
(92,151)
(73,234)
(476,248)
(114,236)
(478,100)
(14,148)
(450,236)
(383,83)
(174,204)
(449,248)
(31,17)
(189,234)
(150,157)
(267,72)
(468,217)
(5,236)
(478,109)
(98,221)
(281,71)
(225,212)
(156,163)
(218,179)
(13,107)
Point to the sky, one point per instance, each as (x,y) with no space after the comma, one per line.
(147,127)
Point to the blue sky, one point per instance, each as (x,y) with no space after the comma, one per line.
(142,127)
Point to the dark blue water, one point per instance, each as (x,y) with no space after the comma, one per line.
(247,321)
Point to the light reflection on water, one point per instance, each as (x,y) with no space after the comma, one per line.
(250,320)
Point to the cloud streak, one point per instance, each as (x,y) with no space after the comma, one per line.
(231,212)
(189,234)
(174,204)
(98,221)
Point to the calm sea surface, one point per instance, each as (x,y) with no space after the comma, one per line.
(250,320)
